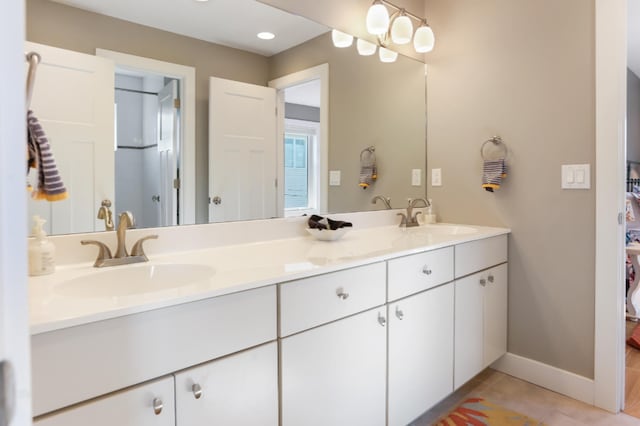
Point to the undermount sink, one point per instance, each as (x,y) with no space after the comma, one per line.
(437,229)
(135,280)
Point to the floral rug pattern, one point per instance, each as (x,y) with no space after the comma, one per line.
(480,412)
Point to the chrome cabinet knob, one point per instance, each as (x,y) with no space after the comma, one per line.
(342,294)
(483,282)
(382,320)
(155,198)
(197,390)
(217,200)
(157,406)
(490,278)
(399,313)
(426,270)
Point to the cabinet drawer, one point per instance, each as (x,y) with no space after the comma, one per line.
(481,254)
(138,406)
(418,272)
(78,363)
(312,301)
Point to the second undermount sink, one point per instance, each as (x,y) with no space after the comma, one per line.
(444,229)
(135,280)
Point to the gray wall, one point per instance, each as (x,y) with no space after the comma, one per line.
(74,29)
(633,116)
(523,70)
(370,103)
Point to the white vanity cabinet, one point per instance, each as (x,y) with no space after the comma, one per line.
(239,390)
(332,354)
(480,308)
(149,404)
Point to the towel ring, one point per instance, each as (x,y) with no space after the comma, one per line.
(497,141)
(370,149)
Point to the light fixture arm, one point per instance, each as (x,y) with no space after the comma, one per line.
(399,9)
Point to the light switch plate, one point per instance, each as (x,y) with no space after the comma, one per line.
(576,176)
(334,177)
(416,177)
(436,177)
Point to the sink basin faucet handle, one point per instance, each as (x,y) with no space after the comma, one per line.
(103,254)
(137,249)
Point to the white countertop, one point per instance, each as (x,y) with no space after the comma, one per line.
(237,268)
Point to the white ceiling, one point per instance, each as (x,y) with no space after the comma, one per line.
(233,23)
(633,36)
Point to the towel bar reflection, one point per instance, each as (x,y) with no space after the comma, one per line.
(33,59)
(496,141)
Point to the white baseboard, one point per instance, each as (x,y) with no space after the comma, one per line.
(547,376)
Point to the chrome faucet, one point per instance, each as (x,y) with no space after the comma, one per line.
(105,214)
(385,200)
(410,219)
(105,258)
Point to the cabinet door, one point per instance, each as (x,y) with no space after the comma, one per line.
(336,374)
(420,353)
(151,404)
(469,328)
(241,389)
(495,314)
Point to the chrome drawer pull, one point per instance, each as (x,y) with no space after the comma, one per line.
(197,391)
(483,282)
(382,320)
(491,279)
(342,294)
(399,313)
(157,406)
(426,270)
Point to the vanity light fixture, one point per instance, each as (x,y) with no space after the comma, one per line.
(265,35)
(366,48)
(341,39)
(398,28)
(387,55)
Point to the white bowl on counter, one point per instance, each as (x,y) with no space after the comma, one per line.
(328,234)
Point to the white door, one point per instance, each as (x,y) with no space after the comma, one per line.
(15,401)
(238,390)
(336,374)
(73,99)
(168,143)
(420,353)
(242,151)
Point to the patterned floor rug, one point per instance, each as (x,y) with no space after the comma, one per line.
(480,412)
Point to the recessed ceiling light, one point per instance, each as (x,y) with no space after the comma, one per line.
(201,1)
(266,35)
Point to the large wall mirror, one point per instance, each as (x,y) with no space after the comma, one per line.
(332,109)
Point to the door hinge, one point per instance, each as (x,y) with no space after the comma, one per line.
(176,103)
(176,183)
(276,182)
(620,218)
(7,393)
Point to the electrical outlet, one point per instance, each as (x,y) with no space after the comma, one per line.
(334,177)
(436,177)
(416,177)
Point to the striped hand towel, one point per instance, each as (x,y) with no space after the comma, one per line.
(368,168)
(493,171)
(50,185)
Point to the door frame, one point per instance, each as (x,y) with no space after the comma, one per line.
(187,78)
(610,121)
(14,306)
(320,72)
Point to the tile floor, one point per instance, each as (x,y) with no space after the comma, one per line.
(549,407)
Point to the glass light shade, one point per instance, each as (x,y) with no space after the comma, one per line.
(377,19)
(341,39)
(424,40)
(387,55)
(366,48)
(401,30)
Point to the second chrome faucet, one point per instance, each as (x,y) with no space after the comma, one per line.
(410,219)
(121,257)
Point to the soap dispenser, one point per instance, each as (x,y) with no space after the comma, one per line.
(41,250)
(430,216)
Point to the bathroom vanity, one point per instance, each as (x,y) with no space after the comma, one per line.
(373,329)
